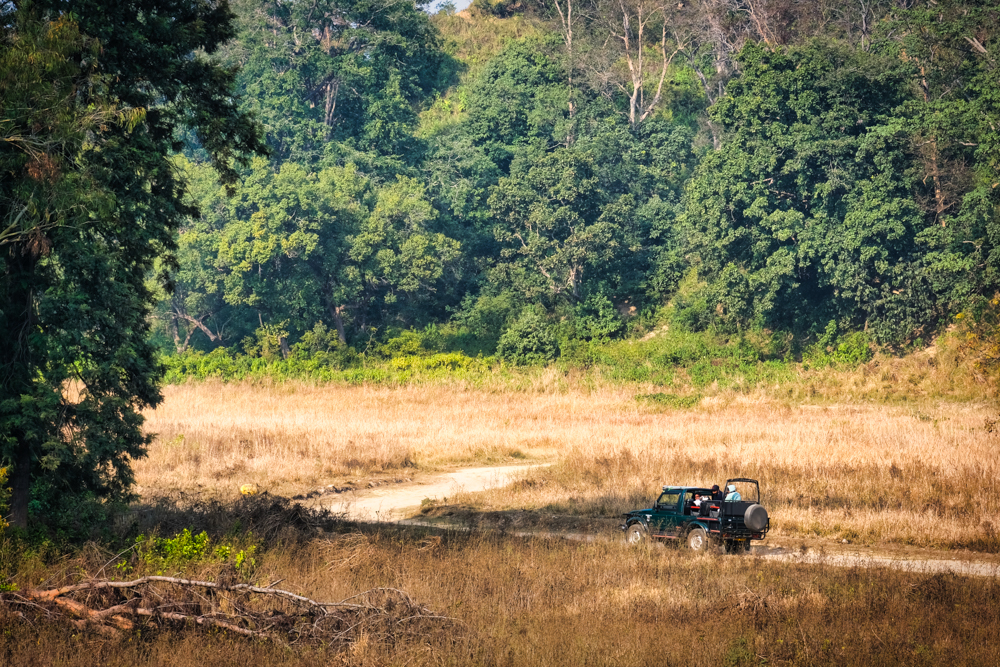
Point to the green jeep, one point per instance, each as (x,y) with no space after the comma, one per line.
(729,523)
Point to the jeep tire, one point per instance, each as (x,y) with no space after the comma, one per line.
(737,547)
(635,534)
(697,539)
(755,518)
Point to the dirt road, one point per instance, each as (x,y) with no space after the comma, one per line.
(868,558)
(396,502)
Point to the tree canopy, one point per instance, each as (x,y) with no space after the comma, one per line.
(90,110)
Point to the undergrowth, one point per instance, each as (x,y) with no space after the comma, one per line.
(514,601)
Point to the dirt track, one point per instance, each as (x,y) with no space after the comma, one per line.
(399,501)
(389,503)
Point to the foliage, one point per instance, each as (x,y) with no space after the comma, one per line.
(978,334)
(528,340)
(807,213)
(597,319)
(293,248)
(168,554)
(91,106)
(851,349)
(336,71)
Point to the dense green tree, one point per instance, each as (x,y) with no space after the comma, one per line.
(96,201)
(518,99)
(555,226)
(293,248)
(589,217)
(953,120)
(807,213)
(320,73)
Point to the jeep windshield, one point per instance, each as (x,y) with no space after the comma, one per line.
(669,499)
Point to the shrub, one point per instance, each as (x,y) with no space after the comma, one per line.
(528,341)
(486,317)
(850,349)
(597,319)
(185,548)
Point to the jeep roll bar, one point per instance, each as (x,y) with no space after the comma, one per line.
(748,481)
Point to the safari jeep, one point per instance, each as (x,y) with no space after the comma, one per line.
(727,523)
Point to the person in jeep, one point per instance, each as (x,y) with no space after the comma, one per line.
(717,493)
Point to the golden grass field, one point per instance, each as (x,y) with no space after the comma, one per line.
(924,473)
(552,602)
(921,472)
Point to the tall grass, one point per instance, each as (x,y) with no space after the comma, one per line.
(536,602)
(924,472)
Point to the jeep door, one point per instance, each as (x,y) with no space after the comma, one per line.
(667,513)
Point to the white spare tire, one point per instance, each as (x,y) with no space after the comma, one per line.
(755,517)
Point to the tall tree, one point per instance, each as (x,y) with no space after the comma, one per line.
(639,29)
(807,213)
(335,71)
(556,226)
(73,293)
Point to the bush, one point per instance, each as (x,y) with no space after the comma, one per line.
(528,341)
(407,343)
(597,319)
(485,318)
(850,349)
(185,548)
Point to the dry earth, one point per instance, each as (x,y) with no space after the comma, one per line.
(386,504)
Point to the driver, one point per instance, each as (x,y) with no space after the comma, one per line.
(733,493)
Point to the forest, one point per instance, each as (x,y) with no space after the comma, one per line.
(578,171)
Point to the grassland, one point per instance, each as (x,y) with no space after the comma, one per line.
(538,602)
(923,472)
(896,452)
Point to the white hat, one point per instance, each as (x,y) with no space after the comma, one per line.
(731,487)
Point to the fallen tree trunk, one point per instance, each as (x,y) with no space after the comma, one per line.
(110,607)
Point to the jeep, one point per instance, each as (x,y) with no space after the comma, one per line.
(731,524)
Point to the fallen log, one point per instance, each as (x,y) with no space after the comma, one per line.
(111,607)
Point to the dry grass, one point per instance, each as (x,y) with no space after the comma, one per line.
(540,602)
(926,473)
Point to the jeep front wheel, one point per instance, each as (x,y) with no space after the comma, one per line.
(697,539)
(635,534)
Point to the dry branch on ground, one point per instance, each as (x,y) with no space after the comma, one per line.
(110,607)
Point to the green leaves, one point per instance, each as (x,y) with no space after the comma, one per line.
(808,211)
(92,102)
(306,247)
(347,71)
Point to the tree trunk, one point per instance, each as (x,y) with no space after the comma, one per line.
(567,23)
(21,488)
(18,371)
(338,321)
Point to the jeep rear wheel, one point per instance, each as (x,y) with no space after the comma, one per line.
(697,539)
(737,547)
(635,534)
